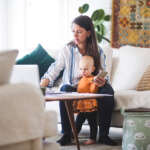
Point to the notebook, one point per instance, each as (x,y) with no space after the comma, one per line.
(26,74)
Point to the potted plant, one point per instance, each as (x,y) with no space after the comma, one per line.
(98,17)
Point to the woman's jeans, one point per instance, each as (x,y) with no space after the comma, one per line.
(105,106)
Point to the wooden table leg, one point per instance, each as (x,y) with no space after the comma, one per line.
(69,108)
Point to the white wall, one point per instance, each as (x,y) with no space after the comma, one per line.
(3,24)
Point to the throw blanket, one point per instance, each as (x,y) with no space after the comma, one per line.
(130,23)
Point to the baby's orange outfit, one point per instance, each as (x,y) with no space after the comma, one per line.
(86,85)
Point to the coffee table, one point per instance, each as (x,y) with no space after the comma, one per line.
(68,98)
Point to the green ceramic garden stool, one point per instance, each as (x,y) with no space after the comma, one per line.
(136,131)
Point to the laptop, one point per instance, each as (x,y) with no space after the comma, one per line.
(26,74)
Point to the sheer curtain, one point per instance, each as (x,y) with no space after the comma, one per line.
(47,22)
(39,21)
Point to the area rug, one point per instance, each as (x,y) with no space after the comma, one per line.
(115,133)
(92,147)
(87,147)
(130,23)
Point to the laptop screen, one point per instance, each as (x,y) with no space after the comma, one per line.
(25,74)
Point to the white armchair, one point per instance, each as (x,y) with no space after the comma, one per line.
(24,123)
(23,119)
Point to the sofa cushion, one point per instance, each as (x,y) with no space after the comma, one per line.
(131,65)
(132,99)
(38,56)
(144,83)
(7,60)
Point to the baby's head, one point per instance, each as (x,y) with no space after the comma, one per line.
(86,66)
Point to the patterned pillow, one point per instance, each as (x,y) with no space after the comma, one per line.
(144,83)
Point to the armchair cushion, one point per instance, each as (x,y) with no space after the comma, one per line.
(7,60)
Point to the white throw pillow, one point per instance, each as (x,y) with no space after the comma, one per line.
(7,60)
(132,64)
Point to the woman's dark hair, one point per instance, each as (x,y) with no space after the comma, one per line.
(92,46)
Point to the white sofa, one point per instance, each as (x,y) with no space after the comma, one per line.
(23,119)
(24,123)
(125,67)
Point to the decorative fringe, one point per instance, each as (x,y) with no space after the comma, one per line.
(114,27)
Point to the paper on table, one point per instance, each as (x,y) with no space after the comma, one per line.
(73,95)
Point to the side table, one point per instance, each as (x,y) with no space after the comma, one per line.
(136,129)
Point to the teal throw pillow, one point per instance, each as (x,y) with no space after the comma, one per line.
(38,56)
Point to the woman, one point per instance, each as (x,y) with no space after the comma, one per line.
(84,43)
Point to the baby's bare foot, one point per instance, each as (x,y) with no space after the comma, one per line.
(89,142)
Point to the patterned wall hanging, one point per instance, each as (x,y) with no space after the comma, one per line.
(130,23)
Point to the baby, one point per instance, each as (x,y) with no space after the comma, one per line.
(87,109)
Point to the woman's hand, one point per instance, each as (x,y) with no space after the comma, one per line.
(99,81)
(44,82)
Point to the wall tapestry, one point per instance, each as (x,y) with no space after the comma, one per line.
(130,23)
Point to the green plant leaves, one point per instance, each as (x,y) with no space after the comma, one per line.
(84,8)
(107,18)
(100,29)
(100,32)
(98,18)
(99,37)
(98,15)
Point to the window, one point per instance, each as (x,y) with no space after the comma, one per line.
(48,22)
